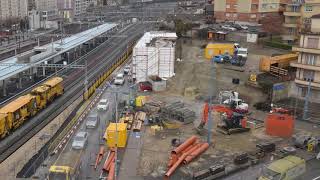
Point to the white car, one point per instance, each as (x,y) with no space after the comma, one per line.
(244,27)
(103,105)
(228,27)
(80,140)
(119,80)
(126,69)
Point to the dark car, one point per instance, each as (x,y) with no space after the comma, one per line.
(145,86)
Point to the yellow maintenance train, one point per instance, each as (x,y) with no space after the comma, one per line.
(19,110)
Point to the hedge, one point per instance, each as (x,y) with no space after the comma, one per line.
(278,45)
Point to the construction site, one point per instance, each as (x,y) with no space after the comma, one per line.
(135,99)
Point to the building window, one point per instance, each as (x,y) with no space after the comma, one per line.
(253,16)
(310,59)
(227,15)
(307,20)
(228,6)
(308,75)
(235,15)
(313,43)
(264,6)
(308,8)
(254,6)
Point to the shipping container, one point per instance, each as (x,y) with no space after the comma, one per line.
(280,125)
(218,49)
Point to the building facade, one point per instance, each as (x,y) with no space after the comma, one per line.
(251,11)
(308,64)
(13,9)
(68,9)
(298,15)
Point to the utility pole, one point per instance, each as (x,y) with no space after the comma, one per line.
(116,151)
(306,101)
(210,93)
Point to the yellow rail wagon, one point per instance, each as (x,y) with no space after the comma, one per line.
(3,125)
(42,95)
(56,88)
(19,110)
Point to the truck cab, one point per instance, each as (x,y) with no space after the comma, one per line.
(287,168)
(60,172)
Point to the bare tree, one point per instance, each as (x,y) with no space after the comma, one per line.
(272,23)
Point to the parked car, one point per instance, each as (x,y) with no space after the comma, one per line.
(126,69)
(103,105)
(240,26)
(92,121)
(119,80)
(222,58)
(228,27)
(218,59)
(80,140)
(145,86)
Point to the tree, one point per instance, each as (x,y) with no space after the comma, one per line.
(272,23)
(181,27)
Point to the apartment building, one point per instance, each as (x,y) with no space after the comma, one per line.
(297,17)
(12,9)
(47,8)
(251,11)
(308,64)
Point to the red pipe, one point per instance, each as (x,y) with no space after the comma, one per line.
(112,171)
(188,148)
(184,145)
(175,166)
(196,153)
(99,157)
(108,161)
(109,165)
(180,160)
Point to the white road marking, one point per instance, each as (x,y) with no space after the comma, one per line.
(316,178)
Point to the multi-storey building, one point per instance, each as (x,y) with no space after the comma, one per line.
(297,17)
(73,8)
(247,10)
(308,64)
(13,9)
(47,8)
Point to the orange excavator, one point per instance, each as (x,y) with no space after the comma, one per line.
(231,121)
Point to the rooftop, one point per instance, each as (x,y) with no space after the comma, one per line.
(149,36)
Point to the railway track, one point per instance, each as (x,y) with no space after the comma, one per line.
(98,61)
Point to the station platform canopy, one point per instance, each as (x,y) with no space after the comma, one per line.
(13,65)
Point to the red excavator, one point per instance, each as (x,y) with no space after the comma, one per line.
(231,121)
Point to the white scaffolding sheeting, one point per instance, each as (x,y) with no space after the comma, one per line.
(154,54)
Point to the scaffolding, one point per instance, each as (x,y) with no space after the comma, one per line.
(154,54)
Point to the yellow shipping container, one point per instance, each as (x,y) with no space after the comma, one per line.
(111,135)
(217,49)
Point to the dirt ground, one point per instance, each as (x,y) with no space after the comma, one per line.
(195,71)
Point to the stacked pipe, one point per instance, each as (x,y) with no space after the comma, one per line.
(99,157)
(109,165)
(185,153)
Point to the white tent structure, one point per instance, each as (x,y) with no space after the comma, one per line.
(154,54)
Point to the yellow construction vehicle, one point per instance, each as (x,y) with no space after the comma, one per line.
(4,130)
(67,166)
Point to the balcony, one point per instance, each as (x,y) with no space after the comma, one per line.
(295,14)
(305,66)
(290,25)
(306,50)
(302,82)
